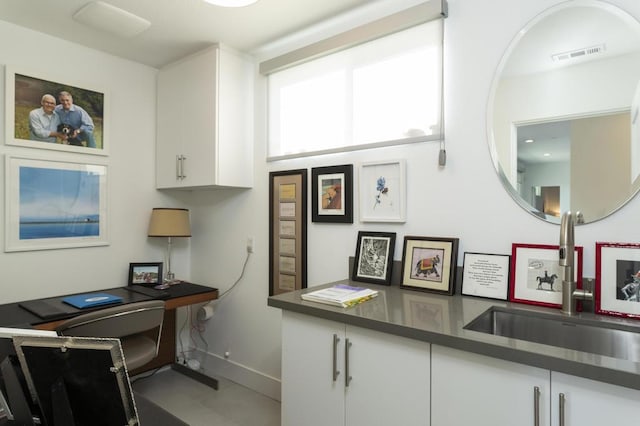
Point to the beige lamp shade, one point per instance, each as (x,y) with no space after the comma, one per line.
(167,222)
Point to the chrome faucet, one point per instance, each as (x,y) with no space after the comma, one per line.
(567,264)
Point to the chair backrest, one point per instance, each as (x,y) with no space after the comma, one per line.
(117,321)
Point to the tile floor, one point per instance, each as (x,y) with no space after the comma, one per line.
(199,405)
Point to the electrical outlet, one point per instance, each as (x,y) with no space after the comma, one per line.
(250,243)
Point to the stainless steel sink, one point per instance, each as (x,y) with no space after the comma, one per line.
(610,339)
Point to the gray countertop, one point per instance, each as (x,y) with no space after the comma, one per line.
(439,319)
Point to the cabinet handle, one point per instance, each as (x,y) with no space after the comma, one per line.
(536,406)
(561,403)
(347,377)
(182,175)
(178,167)
(336,339)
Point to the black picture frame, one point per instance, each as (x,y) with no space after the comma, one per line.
(145,273)
(287,231)
(486,275)
(429,264)
(332,194)
(374,257)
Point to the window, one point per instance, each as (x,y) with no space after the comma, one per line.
(386,91)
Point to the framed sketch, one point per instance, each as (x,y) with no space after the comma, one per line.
(617,290)
(54,113)
(374,257)
(383,191)
(54,204)
(332,194)
(149,274)
(287,231)
(486,275)
(536,278)
(429,264)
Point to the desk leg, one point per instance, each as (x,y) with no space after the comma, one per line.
(195,375)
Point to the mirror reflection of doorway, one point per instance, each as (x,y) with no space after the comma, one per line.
(547,199)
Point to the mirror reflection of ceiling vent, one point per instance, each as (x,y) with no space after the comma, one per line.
(578,53)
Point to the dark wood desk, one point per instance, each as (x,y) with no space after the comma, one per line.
(184,294)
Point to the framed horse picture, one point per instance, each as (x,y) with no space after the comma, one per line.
(429,264)
(536,277)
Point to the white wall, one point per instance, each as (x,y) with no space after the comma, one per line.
(131,174)
(464,200)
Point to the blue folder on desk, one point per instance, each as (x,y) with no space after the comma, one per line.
(90,300)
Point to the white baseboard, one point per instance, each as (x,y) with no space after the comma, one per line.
(216,366)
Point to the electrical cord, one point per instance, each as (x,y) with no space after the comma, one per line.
(199,327)
(244,267)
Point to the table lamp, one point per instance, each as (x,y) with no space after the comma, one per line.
(169,223)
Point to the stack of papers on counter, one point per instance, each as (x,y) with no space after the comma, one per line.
(343,295)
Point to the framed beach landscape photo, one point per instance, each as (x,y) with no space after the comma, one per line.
(53,204)
(54,113)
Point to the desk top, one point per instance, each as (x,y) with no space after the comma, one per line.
(183,294)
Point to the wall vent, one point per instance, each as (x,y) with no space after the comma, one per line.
(578,53)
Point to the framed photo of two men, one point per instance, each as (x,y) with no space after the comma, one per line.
(55,113)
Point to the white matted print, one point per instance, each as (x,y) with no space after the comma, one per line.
(383,191)
(53,204)
(617,290)
(536,278)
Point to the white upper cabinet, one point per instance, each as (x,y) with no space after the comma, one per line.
(205,121)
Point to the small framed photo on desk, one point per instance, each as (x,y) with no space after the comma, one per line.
(149,273)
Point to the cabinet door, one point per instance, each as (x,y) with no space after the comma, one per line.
(470,389)
(390,381)
(587,402)
(310,396)
(186,114)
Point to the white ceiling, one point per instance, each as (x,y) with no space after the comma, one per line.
(179,27)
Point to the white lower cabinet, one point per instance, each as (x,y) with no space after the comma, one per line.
(588,402)
(470,389)
(335,374)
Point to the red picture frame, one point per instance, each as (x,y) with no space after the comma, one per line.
(617,279)
(536,275)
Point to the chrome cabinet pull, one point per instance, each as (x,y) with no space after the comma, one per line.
(347,377)
(336,339)
(180,167)
(561,404)
(536,406)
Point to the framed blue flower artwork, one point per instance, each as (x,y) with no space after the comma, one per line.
(383,191)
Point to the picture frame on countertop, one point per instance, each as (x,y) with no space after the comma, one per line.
(28,121)
(332,194)
(486,275)
(536,278)
(54,204)
(147,273)
(382,191)
(429,264)
(287,231)
(617,287)
(374,257)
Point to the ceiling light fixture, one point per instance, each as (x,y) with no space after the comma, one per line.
(106,17)
(528,141)
(231,3)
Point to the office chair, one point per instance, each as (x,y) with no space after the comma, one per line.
(129,322)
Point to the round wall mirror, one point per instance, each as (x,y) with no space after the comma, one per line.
(563,124)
